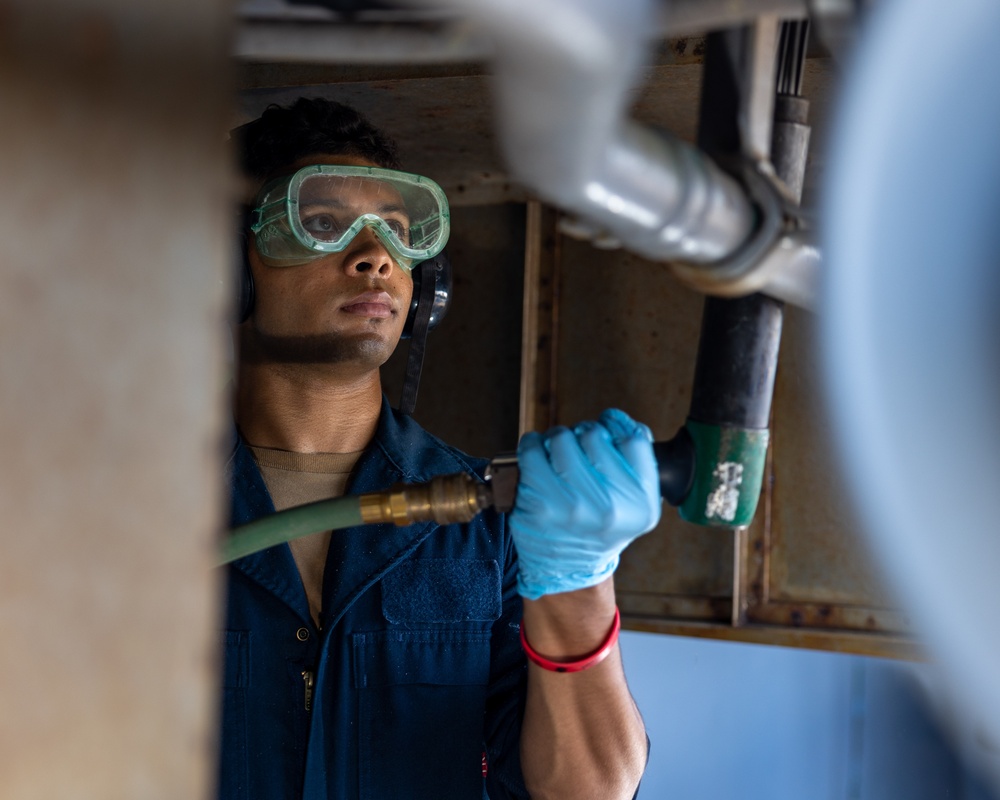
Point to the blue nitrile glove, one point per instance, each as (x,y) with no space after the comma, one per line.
(584,495)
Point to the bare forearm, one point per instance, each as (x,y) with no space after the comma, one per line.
(582,735)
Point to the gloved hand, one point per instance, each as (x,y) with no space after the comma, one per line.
(584,495)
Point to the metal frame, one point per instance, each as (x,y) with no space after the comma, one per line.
(270,30)
(539,335)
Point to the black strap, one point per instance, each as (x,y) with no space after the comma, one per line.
(418,338)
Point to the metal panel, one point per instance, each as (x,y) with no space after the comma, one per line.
(807,565)
(628,334)
(116,230)
(444,127)
(469,391)
(834,641)
(444,123)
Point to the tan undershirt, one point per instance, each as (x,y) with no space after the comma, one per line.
(297,478)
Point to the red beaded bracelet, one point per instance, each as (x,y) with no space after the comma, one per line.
(580,664)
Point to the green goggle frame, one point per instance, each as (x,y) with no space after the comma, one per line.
(321,208)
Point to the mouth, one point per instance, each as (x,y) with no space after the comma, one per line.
(376,305)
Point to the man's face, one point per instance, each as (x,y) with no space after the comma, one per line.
(345,308)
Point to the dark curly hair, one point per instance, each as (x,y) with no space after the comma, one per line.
(283,135)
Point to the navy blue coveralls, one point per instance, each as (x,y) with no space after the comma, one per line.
(412,686)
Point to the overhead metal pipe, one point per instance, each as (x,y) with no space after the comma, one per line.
(564,70)
(346,32)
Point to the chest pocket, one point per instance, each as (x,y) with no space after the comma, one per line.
(442,590)
(421,703)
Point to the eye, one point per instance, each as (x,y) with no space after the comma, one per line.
(399,228)
(323,226)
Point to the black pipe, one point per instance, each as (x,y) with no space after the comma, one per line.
(738,349)
(737,361)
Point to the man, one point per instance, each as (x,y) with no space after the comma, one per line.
(384,662)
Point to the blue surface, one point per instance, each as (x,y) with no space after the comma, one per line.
(730,720)
(740,721)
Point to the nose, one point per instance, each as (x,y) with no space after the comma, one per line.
(367,254)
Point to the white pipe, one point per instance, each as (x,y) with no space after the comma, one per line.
(564,71)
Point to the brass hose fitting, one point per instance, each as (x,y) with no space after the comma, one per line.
(445,499)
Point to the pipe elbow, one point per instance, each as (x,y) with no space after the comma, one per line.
(564,69)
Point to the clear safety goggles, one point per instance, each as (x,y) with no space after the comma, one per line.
(321,208)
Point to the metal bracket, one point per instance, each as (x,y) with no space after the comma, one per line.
(779,258)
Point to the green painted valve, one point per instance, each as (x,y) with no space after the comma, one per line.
(729,470)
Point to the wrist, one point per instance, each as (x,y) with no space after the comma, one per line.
(537,581)
(569,625)
(577,664)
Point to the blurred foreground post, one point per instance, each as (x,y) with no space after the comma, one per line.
(115,246)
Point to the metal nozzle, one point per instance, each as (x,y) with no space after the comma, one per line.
(502,476)
(446,499)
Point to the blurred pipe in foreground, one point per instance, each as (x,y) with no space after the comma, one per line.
(911,327)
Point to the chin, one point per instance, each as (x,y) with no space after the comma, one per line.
(370,349)
(374,350)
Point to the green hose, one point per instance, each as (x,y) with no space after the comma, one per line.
(340,512)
